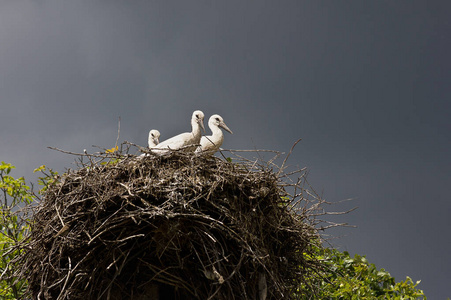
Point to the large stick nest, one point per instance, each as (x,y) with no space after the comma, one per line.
(190,226)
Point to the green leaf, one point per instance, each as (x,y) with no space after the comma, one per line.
(39,169)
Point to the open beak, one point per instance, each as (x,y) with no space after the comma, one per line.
(224,126)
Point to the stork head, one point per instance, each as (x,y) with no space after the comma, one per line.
(218,121)
(198,118)
(154,136)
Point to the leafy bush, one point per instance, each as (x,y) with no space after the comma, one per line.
(347,277)
(13,193)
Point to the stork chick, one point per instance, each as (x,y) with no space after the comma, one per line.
(214,141)
(185,139)
(154,136)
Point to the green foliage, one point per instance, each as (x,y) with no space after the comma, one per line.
(50,177)
(347,277)
(13,193)
(10,288)
(13,189)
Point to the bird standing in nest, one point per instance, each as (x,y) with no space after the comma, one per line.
(214,141)
(184,139)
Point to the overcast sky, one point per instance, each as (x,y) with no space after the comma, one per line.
(365,84)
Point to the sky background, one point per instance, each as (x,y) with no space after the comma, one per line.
(365,84)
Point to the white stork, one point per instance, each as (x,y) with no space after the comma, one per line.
(184,139)
(154,136)
(214,141)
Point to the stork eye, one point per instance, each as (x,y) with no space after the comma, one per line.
(217,119)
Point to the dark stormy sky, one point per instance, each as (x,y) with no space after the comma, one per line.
(365,84)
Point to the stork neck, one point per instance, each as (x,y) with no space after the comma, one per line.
(196,128)
(215,130)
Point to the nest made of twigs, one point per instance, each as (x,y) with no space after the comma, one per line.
(181,225)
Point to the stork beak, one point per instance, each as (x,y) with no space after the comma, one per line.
(201,123)
(157,141)
(223,125)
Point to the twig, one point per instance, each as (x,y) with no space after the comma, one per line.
(286,158)
(118,131)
